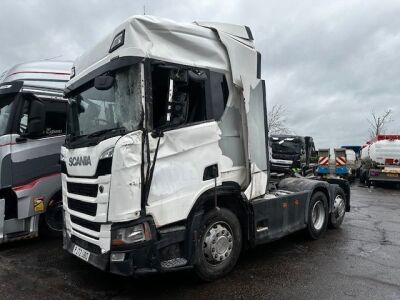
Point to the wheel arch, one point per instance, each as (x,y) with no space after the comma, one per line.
(345,186)
(310,185)
(229,196)
(57,195)
(11,202)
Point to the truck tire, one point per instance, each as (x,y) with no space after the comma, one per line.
(317,216)
(51,224)
(336,217)
(362,177)
(219,244)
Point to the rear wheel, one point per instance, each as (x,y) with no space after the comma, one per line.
(219,245)
(317,216)
(336,217)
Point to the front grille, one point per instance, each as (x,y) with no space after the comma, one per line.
(83,189)
(86,224)
(284,156)
(82,207)
(86,245)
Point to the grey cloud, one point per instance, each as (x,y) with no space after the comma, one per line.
(330,63)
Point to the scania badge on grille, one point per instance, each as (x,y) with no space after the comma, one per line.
(80,161)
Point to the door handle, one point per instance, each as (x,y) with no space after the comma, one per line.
(210,172)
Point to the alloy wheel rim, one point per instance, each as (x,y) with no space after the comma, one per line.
(339,206)
(318,215)
(218,243)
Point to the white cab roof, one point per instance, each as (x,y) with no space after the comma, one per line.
(199,44)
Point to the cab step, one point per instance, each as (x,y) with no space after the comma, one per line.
(174,263)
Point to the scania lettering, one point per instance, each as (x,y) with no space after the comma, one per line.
(80,161)
(173,117)
(32,130)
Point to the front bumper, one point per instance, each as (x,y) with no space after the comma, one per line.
(378,175)
(323,170)
(342,171)
(281,168)
(141,258)
(100,261)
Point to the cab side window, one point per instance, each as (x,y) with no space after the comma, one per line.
(56,118)
(219,94)
(185,95)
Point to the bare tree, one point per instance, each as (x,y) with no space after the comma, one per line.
(377,122)
(277,120)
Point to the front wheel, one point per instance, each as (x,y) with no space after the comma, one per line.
(317,216)
(219,245)
(52,219)
(336,217)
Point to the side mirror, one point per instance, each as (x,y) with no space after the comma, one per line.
(37,118)
(104,82)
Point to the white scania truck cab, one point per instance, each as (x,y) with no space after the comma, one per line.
(32,130)
(165,164)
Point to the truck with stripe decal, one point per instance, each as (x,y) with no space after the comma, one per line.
(336,166)
(341,168)
(32,130)
(323,162)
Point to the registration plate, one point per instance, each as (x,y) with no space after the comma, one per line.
(392,175)
(81,253)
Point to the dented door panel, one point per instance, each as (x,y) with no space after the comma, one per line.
(183,155)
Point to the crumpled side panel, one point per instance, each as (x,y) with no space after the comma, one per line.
(257,142)
(178,175)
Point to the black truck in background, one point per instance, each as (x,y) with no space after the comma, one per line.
(292,154)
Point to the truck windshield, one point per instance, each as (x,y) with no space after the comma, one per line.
(94,112)
(5,112)
(288,147)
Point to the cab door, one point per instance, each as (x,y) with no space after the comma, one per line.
(186,141)
(9,99)
(35,153)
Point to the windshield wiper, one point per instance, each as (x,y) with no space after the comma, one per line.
(104,131)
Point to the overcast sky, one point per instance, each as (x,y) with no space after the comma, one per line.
(330,63)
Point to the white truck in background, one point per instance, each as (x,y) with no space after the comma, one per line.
(32,130)
(353,163)
(165,164)
(380,160)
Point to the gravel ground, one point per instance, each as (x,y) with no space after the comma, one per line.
(361,260)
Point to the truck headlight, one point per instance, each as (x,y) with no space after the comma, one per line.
(131,235)
(107,153)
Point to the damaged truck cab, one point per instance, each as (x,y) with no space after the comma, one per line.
(165,164)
